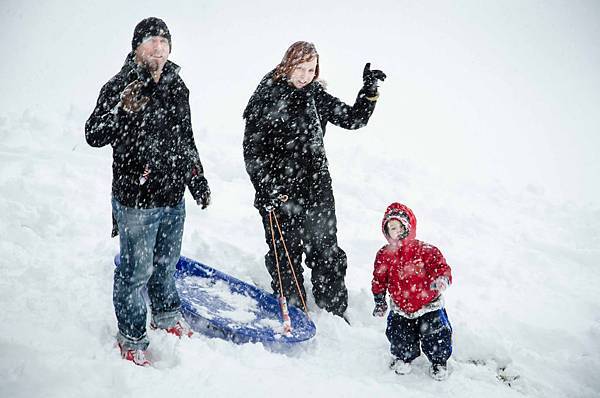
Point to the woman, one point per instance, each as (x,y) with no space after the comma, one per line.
(285,158)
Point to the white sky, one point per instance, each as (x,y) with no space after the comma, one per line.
(505,90)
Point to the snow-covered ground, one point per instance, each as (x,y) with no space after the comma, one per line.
(487,127)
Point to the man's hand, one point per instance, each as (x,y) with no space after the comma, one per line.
(132,99)
(199,189)
(204,200)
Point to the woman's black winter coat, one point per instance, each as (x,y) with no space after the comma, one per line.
(283,140)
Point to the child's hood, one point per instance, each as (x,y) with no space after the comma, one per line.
(396,211)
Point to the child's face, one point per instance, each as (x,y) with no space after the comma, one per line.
(395,229)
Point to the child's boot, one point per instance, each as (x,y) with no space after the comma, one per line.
(438,371)
(400,367)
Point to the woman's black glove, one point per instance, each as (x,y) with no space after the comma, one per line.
(275,199)
(371,80)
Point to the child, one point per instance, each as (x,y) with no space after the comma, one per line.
(415,273)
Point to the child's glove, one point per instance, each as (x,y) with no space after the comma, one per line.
(440,284)
(381,306)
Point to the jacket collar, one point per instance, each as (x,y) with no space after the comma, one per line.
(134,71)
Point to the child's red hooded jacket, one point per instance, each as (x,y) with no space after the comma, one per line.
(407,270)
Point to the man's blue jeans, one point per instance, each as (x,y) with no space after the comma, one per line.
(150,241)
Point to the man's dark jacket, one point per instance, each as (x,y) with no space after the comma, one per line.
(283,140)
(158,137)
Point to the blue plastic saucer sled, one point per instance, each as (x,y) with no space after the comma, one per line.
(218,305)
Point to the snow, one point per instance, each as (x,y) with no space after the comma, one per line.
(238,307)
(487,127)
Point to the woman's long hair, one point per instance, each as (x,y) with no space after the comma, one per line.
(299,52)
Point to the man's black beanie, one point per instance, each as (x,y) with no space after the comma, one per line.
(147,28)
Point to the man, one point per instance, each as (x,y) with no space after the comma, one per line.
(143,112)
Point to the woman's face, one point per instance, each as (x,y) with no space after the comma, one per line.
(303,73)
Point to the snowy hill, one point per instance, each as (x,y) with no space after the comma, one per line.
(487,127)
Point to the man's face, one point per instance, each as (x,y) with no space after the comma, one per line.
(303,73)
(153,53)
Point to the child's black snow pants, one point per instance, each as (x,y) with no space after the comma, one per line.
(431,332)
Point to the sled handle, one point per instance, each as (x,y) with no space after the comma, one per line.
(276,256)
(285,315)
(288,258)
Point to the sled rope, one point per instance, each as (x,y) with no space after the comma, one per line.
(285,315)
(289,262)
(276,256)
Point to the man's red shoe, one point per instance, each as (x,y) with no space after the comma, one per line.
(138,357)
(180,329)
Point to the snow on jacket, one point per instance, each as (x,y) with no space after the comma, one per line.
(283,140)
(158,136)
(407,270)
